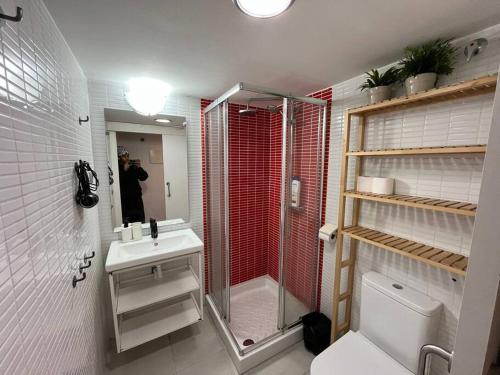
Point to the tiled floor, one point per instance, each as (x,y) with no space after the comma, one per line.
(198,350)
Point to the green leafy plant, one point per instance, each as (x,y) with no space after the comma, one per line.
(437,56)
(376,79)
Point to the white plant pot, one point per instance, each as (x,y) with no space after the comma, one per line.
(379,94)
(419,83)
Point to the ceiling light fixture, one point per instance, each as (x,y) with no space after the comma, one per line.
(163,120)
(147,96)
(263,8)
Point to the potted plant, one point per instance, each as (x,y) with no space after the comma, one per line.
(420,67)
(379,85)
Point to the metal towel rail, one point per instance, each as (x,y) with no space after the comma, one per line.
(426,351)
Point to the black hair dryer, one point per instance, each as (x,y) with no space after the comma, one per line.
(87,183)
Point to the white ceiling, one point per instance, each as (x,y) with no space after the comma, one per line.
(203,47)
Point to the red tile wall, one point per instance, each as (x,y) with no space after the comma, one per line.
(254,193)
(301,246)
(248,193)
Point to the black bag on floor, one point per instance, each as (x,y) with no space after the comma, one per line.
(317,328)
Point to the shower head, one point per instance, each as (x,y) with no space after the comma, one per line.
(247,111)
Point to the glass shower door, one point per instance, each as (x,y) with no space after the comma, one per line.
(216,210)
(304,141)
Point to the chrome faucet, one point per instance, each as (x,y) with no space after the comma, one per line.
(153,226)
(427,350)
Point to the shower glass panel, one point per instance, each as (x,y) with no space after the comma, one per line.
(263,253)
(304,163)
(254,301)
(214,151)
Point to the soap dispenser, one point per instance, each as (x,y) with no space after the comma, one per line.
(295,201)
(126,232)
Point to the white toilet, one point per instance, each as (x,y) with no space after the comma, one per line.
(396,321)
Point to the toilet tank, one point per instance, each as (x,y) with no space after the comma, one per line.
(397,318)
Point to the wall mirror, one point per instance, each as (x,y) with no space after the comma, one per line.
(147,159)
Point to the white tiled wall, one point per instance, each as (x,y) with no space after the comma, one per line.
(46,326)
(463,121)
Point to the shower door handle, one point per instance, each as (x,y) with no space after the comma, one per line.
(168,190)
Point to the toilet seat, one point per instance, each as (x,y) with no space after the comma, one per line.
(354,354)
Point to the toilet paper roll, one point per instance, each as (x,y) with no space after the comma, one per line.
(364,184)
(381,185)
(325,237)
(327,232)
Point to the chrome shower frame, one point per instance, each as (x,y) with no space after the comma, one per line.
(286,97)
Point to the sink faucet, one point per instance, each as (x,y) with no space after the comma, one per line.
(153,226)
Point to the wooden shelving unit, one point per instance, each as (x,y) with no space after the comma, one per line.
(443,259)
(452,207)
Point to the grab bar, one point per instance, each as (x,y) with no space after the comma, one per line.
(426,351)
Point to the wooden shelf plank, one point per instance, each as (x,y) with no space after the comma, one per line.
(467,149)
(468,88)
(452,207)
(435,257)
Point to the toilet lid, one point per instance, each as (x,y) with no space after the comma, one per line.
(354,354)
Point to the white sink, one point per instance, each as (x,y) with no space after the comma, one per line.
(123,255)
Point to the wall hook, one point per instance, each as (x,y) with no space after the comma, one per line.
(17,18)
(85,257)
(80,120)
(84,266)
(76,280)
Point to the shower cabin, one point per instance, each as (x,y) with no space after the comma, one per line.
(264,163)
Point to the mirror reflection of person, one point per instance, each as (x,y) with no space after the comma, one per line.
(130,189)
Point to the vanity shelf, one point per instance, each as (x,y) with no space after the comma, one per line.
(156,286)
(140,294)
(435,257)
(159,321)
(452,207)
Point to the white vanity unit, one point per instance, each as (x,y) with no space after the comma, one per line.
(156,286)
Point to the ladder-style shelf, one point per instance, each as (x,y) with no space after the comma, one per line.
(452,207)
(454,263)
(439,258)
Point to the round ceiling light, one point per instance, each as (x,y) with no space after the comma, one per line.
(263,8)
(147,96)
